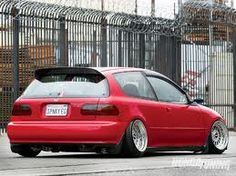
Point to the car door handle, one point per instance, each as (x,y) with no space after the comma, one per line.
(168,109)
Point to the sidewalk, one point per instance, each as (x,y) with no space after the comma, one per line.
(2,132)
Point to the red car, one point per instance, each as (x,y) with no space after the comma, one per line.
(111,110)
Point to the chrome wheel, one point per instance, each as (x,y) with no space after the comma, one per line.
(139,135)
(219,135)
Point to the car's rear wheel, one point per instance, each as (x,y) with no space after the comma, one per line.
(136,139)
(25,150)
(218,138)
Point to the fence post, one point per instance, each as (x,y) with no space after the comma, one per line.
(15,54)
(142,50)
(156,53)
(178,59)
(63,60)
(119,49)
(104,42)
(172,58)
(130,62)
(94,52)
(234,73)
(162,55)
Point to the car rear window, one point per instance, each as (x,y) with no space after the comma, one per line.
(68,85)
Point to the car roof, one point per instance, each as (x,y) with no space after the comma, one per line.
(127,69)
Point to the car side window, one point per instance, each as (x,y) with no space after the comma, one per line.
(134,84)
(166,92)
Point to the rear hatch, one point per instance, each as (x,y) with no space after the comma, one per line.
(62,94)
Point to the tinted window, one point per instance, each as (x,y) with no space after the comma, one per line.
(134,84)
(167,92)
(67,85)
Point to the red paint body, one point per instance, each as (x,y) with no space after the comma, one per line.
(167,124)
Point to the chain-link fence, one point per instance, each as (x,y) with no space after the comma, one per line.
(196,48)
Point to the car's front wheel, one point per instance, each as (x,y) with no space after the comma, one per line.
(136,139)
(218,139)
(25,150)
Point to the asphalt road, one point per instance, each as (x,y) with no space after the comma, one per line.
(160,163)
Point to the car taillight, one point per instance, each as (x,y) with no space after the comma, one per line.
(99,109)
(21,110)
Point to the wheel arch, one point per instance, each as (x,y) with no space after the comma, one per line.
(143,120)
(209,126)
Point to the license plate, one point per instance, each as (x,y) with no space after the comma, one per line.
(56,110)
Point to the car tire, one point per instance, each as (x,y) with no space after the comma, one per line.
(116,150)
(218,138)
(25,150)
(135,139)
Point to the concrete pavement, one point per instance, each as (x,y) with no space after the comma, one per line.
(159,163)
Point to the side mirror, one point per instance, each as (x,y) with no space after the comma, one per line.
(199,100)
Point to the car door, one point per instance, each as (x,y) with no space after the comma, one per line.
(145,104)
(186,126)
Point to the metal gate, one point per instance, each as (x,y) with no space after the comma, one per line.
(208,56)
(36,35)
(197,49)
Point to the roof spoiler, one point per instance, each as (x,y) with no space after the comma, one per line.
(40,73)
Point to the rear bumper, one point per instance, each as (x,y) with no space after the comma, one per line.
(74,132)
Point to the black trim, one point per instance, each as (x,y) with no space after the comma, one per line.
(153,90)
(57,147)
(73,147)
(183,148)
(65,70)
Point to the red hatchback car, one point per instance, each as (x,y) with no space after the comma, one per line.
(111,110)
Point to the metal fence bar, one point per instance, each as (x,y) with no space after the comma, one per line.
(15,59)
(234,72)
(63,59)
(119,48)
(142,50)
(104,42)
